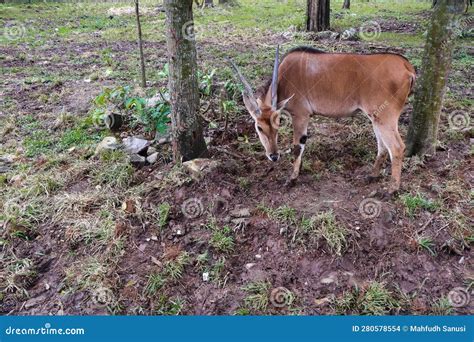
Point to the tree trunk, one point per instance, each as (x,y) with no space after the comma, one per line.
(140,44)
(423,130)
(346,4)
(317,15)
(187,137)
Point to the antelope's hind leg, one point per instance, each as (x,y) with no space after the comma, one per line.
(382,154)
(396,148)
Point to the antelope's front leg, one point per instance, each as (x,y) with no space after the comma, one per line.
(300,136)
(298,150)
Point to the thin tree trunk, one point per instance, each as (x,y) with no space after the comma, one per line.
(187,137)
(317,15)
(140,44)
(346,4)
(423,130)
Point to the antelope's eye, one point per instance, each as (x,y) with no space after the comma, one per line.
(260,128)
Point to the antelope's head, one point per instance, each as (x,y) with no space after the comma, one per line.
(265,115)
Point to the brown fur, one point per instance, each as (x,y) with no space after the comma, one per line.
(337,85)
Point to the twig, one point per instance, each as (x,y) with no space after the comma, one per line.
(233,154)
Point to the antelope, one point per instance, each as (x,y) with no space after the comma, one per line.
(336,85)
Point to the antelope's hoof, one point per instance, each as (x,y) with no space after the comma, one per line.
(389,195)
(371,179)
(290,182)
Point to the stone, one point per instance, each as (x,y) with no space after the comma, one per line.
(152,158)
(135,145)
(243,212)
(350,34)
(249,265)
(137,159)
(199,167)
(331,278)
(326,35)
(151,150)
(108,143)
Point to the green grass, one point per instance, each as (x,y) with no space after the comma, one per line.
(169,306)
(425,242)
(376,299)
(163,211)
(37,143)
(221,239)
(415,203)
(154,284)
(325,226)
(115,170)
(257,295)
(442,307)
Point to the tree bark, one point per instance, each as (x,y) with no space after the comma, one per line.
(140,44)
(346,4)
(317,15)
(423,130)
(187,137)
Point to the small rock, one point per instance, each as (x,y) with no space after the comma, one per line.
(249,265)
(322,301)
(258,256)
(198,168)
(329,279)
(244,212)
(163,141)
(156,261)
(152,158)
(134,145)
(34,301)
(179,230)
(154,238)
(205,276)
(108,143)
(326,35)
(151,150)
(350,34)
(137,159)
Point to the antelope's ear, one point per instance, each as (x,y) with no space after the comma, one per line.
(275,119)
(282,105)
(252,106)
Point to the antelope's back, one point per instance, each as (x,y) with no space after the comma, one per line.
(339,82)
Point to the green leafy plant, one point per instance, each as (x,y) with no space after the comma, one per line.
(205,83)
(153,117)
